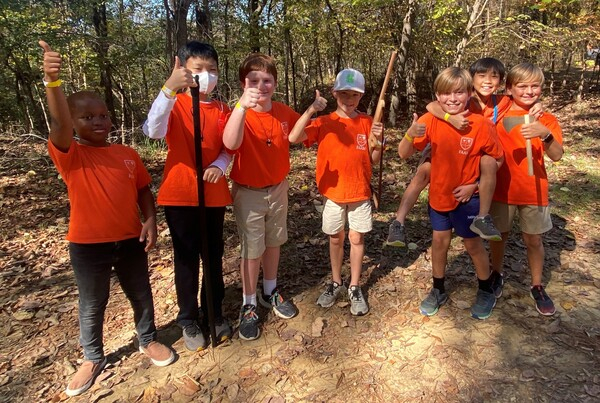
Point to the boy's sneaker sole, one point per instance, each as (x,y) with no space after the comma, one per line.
(491,234)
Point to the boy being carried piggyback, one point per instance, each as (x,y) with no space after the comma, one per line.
(455,164)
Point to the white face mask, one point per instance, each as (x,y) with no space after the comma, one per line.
(206,81)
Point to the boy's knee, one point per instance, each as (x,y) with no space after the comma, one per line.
(356,238)
(422,175)
(473,245)
(532,240)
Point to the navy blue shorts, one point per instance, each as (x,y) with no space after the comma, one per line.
(460,218)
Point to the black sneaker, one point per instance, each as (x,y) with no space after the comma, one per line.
(282,308)
(484,227)
(497,283)
(248,329)
(543,303)
(193,337)
(396,237)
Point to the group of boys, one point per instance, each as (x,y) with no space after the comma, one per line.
(107,183)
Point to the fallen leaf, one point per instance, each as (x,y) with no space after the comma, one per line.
(22,315)
(317,327)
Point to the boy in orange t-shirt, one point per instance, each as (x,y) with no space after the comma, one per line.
(343,178)
(257,133)
(171,117)
(515,189)
(106,184)
(487,73)
(455,161)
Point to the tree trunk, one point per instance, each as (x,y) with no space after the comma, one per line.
(203,21)
(254,37)
(340,44)
(101,45)
(478,8)
(403,49)
(289,59)
(180,11)
(169,31)
(411,87)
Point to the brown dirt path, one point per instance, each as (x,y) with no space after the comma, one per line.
(392,354)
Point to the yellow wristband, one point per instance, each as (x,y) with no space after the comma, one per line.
(447,116)
(408,138)
(168,92)
(52,84)
(239,106)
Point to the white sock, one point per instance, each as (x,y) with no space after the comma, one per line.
(269,286)
(250,299)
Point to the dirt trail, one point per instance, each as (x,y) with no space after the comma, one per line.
(392,354)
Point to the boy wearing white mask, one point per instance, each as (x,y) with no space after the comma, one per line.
(171,116)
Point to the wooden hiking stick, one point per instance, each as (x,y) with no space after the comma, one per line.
(377,118)
(529,152)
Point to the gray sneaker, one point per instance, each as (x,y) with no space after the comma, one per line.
(282,308)
(396,237)
(358,305)
(484,227)
(222,329)
(331,294)
(431,304)
(193,338)
(484,303)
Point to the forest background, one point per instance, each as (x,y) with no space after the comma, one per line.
(125,49)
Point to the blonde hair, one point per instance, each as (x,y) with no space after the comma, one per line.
(524,73)
(452,78)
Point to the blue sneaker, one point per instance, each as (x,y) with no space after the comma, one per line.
(484,303)
(285,309)
(431,304)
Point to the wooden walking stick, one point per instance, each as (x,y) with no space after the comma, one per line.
(529,152)
(206,275)
(377,118)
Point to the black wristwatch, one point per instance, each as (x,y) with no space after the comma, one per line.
(549,138)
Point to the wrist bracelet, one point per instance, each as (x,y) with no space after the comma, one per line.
(408,137)
(548,139)
(239,106)
(52,84)
(447,116)
(168,92)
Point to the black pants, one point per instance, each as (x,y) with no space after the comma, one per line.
(92,264)
(184,225)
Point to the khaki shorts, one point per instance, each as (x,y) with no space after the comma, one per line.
(261,217)
(358,215)
(533,220)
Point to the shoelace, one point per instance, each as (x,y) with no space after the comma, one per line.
(355,294)
(540,292)
(250,314)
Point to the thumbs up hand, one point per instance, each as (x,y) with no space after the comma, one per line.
(416,129)
(180,77)
(319,103)
(249,98)
(460,120)
(52,62)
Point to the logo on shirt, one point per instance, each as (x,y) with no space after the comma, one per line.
(130,164)
(285,129)
(465,144)
(361,141)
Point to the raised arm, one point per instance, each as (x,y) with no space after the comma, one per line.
(416,129)
(156,125)
(459,120)
(298,134)
(234,130)
(61,124)
(553,149)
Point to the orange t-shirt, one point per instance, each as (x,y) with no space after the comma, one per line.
(103,184)
(495,108)
(513,184)
(343,162)
(179,186)
(263,159)
(455,155)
